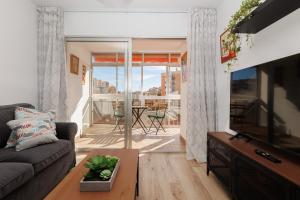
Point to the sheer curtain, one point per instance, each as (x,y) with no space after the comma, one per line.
(201,101)
(52,92)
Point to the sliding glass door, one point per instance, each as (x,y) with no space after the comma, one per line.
(157,81)
(125,89)
(110,93)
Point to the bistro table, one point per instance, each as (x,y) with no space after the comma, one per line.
(137,112)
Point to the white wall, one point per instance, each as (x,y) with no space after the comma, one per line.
(78,93)
(18,55)
(106,24)
(279,40)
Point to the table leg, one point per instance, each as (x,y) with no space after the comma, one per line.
(135,114)
(141,124)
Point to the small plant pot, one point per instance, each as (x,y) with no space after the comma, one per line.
(100,186)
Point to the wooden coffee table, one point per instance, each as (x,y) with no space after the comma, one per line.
(125,186)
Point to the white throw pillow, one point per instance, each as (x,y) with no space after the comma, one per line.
(32,132)
(28,113)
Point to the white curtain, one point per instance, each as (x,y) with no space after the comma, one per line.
(201,101)
(52,92)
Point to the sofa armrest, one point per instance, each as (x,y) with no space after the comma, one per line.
(66,130)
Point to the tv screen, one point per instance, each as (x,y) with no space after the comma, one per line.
(265,102)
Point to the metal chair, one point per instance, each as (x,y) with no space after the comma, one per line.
(119,114)
(158,116)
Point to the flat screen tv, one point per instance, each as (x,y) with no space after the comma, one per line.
(265,103)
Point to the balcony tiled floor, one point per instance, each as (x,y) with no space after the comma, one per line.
(101,136)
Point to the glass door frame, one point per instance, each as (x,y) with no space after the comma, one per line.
(127,84)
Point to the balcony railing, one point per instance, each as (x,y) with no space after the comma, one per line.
(103,112)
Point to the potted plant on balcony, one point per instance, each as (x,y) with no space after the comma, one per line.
(233,41)
(101,175)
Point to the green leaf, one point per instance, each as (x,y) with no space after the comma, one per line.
(98,164)
(233,40)
(105,174)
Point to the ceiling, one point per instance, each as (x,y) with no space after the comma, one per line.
(138,45)
(138,5)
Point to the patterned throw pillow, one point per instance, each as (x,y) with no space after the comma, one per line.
(32,132)
(23,113)
(27,113)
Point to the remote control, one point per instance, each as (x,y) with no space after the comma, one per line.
(267,156)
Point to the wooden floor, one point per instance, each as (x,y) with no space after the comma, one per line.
(163,176)
(169,176)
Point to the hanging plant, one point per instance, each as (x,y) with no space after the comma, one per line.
(233,41)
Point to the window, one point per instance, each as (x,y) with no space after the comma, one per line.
(120,79)
(104,80)
(136,79)
(175,80)
(154,80)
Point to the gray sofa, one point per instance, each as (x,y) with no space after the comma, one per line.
(33,173)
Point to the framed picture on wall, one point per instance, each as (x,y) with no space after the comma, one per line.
(225,53)
(83,74)
(74,64)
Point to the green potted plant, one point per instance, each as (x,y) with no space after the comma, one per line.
(233,40)
(101,174)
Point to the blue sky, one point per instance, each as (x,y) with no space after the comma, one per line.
(152,76)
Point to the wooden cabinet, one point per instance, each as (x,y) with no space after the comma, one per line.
(219,161)
(297,195)
(246,177)
(255,182)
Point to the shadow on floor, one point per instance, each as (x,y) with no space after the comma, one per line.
(101,137)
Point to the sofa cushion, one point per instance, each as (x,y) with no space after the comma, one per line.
(32,115)
(13,175)
(40,157)
(7,113)
(30,133)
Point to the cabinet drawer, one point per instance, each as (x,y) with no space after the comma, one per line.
(219,148)
(253,181)
(220,169)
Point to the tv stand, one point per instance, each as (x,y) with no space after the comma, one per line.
(249,176)
(240,135)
